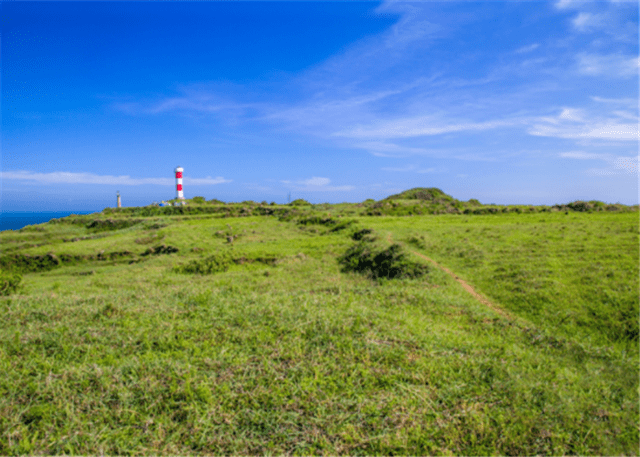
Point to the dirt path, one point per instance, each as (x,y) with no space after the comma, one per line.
(463,283)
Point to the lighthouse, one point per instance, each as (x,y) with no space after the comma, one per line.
(179,194)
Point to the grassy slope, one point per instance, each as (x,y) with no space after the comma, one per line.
(104,356)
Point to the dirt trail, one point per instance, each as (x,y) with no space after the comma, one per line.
(463,283)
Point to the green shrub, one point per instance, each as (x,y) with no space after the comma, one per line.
(9,282)
(216,263)
(101,225)
(221,262)
(580,206)
(380,262)
(27,263)
(198,199)
(362,234)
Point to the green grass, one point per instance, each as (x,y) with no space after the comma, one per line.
(283,352)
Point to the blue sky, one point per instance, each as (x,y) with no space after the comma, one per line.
(506,102)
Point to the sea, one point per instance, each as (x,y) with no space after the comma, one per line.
(15,220)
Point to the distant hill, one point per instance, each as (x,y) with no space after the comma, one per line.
(423,193)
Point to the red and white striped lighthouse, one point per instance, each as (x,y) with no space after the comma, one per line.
(179,194)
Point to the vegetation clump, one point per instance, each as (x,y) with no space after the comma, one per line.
(216,263)
(421,193)
(372,259)
(361,234)
(30,263)
(299,202)
(9,282)
(101,225)
(222,261)
(162,249)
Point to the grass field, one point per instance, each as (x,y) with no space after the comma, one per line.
(301,332)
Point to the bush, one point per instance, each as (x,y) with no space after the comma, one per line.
(221,262)
(580,206)
(216,263)
(362,234)
(9,282)
(299,202)
(379,262)
(101,225)
(26,263)
(198,199)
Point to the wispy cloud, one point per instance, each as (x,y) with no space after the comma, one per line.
(62,177)
(588,21)
(526,49)
(612,65)
(616,164)
(315,184)
(205,181)
(417,127)
(382,95)
(414,169)
(568,4)
(581,155)
(581,124)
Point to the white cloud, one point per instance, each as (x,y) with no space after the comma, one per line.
(624,103)
(581,124)
(526,49)
(613,65)
(568,4)
(62,177)
(580,155)
(572,114)
(414,169)
(316,184)
(611,131)
(626,164)
(205,181)
(416,127)
(385,149)
(584,21)
(617,164)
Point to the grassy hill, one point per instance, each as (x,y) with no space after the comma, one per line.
(255,328)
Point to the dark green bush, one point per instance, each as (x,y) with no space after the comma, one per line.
(380,262)
(216,263)
(101,225)
(221,262)
(27,263)
(9,282)
(361,234)
(580,206)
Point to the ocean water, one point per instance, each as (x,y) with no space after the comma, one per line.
(15,220)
